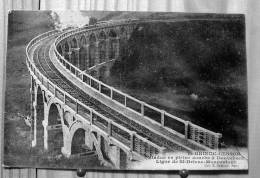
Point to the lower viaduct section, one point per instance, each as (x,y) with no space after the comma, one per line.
(74,111)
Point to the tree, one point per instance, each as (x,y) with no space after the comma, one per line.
(92,20)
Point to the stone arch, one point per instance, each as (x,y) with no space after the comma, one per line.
(123,33)
(54,114)
(78,141)
(123,40)
(59,49)
(92,36)
(39,117)
(113,43)
(74,43)
(102,46)
(102,35)
(102,51)
(54,129)
(83,53)
(67,50)
(131,28)
(92,49)
(66,46)
(112,33)
(83,41)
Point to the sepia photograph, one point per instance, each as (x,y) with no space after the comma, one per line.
(126,90)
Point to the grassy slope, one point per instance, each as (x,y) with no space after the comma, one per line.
(23,26)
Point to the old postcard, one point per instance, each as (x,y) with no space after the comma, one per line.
(126,90)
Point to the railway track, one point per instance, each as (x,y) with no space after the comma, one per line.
(43,63)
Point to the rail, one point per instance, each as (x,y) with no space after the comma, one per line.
(113,129)
(172,123)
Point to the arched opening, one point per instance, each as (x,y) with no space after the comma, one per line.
(102,51)
(123,40)
(74,43)
(123,33)
(66,49)
(102,73)
(59,49)
(78,142)
(92,50)
(39,119)
(102,47)
(55,134)
(83,41)
(82,53)
(74,57)
(113,43)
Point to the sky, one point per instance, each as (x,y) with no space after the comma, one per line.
(71,18)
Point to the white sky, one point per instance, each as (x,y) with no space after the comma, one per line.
(72,18)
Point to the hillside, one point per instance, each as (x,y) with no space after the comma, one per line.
(24,26)
(193,69)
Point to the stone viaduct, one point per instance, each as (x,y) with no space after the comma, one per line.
(73,110)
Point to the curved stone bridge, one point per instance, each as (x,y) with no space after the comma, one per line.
(74,111)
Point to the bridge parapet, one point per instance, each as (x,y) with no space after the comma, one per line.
(185,129)
(134,142)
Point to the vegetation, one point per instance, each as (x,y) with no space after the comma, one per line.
(23,26)
(92,21)
(198,65)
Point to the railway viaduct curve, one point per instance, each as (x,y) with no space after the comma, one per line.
(71,104)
